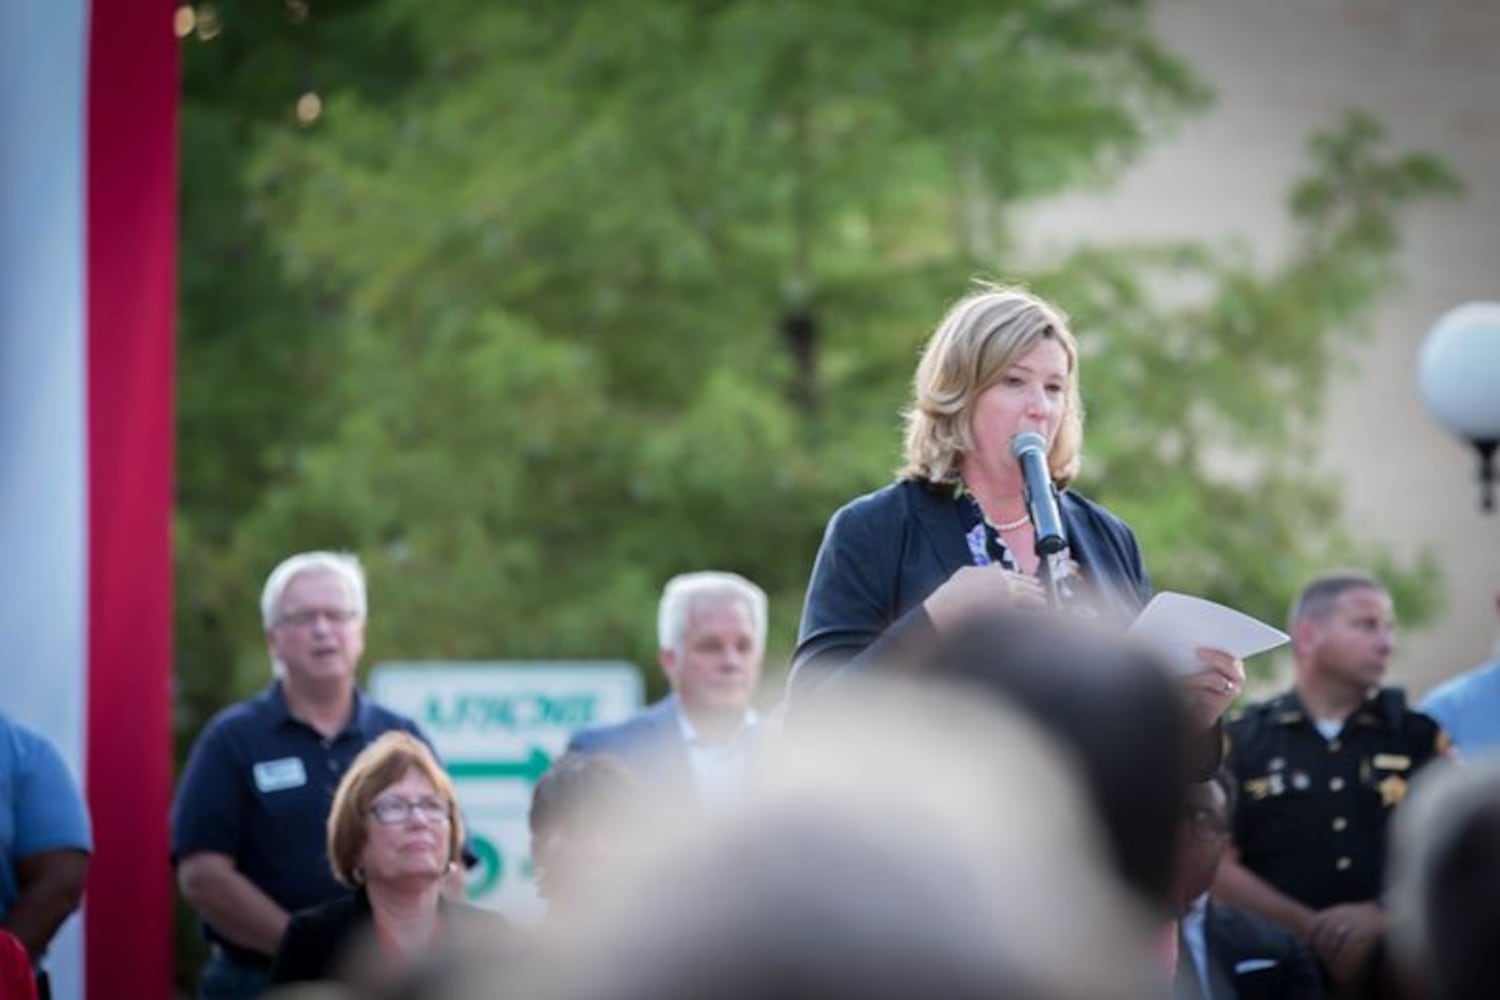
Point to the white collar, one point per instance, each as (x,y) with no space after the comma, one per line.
(690,732)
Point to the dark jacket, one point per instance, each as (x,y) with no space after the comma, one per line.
(335,941)
(1260,960)
(885,552)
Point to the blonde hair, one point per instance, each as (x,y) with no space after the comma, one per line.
(979,338)
(379,766)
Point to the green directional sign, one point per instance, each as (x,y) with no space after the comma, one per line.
(530,768)
(498,727)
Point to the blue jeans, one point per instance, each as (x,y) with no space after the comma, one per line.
(224,978)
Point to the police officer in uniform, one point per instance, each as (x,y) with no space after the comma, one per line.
(1318,771)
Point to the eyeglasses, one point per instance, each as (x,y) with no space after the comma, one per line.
(393,811)
(1206,824)
(304,619)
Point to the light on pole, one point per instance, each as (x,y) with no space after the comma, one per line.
(1459,376)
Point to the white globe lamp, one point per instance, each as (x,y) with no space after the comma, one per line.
(1458,373)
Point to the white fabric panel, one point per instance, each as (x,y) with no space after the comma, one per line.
(43,513)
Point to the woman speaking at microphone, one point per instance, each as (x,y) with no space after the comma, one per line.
(953,534)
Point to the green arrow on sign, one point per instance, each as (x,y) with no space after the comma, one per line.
(531,768)
(491,866)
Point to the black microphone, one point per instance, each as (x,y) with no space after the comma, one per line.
(1030,452)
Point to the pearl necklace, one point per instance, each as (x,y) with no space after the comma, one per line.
(963,490)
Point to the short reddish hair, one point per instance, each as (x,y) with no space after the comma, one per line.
(379,766)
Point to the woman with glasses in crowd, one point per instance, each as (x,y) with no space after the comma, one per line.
(394,835)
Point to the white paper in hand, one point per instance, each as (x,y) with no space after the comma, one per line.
(1176,626)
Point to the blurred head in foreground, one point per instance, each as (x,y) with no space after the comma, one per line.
(917,842)
(1115,712)
(576,817)
(1444,880)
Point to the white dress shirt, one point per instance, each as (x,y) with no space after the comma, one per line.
(1194,930)
(721,771)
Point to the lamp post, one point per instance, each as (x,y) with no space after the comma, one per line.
(1459,376)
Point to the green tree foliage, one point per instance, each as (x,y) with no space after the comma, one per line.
(556,300)
(1200,412)
(255,369)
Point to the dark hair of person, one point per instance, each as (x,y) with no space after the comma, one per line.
(579,792)
(1317,599)
(1107,701)
(1463,919)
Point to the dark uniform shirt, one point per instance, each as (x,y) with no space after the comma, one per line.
(1311,816)
(258,787)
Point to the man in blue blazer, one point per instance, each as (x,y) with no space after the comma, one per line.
(696,744)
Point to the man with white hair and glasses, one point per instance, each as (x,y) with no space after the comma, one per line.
(249,815)
(696,744)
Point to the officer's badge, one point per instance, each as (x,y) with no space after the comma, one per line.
(1392,790)
(1257,788)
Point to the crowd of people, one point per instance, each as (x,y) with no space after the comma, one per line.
(975,784)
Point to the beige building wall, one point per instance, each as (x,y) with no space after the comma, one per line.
(1282,69)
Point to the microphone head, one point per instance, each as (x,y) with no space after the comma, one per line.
(1026,441)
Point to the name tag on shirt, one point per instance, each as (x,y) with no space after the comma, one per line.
(278,775)
(1254,965)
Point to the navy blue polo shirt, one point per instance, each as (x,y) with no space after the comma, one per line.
(258,786)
